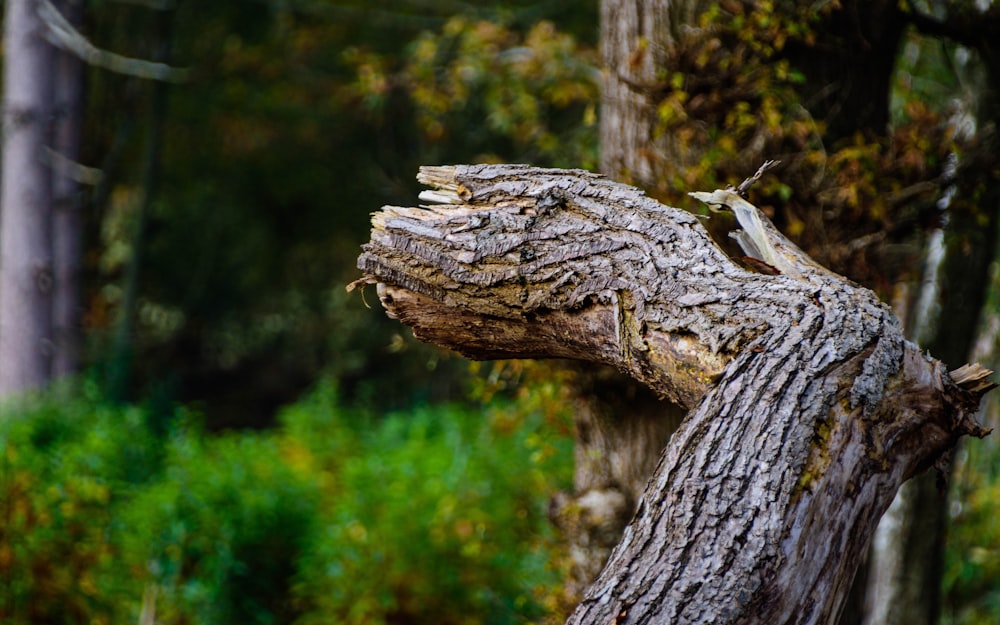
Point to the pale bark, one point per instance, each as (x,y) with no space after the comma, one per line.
(61,32)
(25,224)
(808,409)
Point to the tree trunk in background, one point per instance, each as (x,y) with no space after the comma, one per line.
(67,219)
(848,73)
(636,38)
(25,224)
(907,555)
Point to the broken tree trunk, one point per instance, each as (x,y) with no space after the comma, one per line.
(806,407)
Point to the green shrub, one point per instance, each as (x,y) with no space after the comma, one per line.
(434,516)
(222,530)
(337,517)
(64,464)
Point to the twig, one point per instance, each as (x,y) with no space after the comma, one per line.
(744,189)
(71,169)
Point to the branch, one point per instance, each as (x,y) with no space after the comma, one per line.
(807,408)
(60,33)
(759,239)
(744,189)
(517,252)
(71,169)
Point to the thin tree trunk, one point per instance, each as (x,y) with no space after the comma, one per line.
(67,224)
(807,408)
(25,224)
(636,40)
(121,374)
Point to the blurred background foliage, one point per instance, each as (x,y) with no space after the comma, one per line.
(297,121)
(337,515)
(287,454)
(972,565)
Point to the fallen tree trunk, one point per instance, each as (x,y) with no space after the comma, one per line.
(807,408)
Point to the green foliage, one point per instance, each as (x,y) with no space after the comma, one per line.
(64,466)
(337,516)
(424,516)
(972,560)
(487,86)
(222,530)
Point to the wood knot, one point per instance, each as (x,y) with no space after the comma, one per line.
(43,279)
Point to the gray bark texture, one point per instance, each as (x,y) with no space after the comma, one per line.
(25,203)
(807,409)
(621,427)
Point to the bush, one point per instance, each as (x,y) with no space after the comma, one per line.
(436,518)
(338,516)
(63,467)
(222,530)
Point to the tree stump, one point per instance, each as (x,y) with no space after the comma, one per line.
(807,409)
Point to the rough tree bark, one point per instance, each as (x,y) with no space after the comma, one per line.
(807,408)
(621,427)
(633,39)
(848,73)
